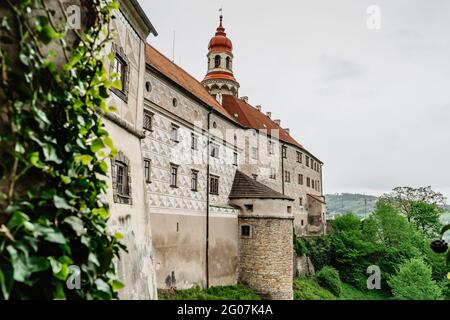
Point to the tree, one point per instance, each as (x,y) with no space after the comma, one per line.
(404,197)
(425,216)
(413,281)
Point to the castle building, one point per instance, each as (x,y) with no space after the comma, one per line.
(226,185)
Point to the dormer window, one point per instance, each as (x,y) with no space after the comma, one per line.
(217,60)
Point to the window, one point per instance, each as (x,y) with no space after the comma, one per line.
(273,173)
(255,176)
(120,66)
(270,147)
(308,182)
(174,133)
(307,161)
(174,102)
(214,151)
(214,185)
(303,222)
(194,180)
(248,207)
(299,157)
(312,184)
(173,175)
(217,60)
(300,201)
(148,121)
(148,86)
(228,63)
(255,153)
(300,179)
(121,179)
(289,209)
(312,164)
(235,158)
(284,152)
(194,141)
(245,231)
(147,170)
(287,176)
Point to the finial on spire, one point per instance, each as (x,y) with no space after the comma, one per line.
(221,16)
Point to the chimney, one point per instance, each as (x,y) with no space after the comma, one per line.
(269,114)
(245,98)
(277,121)
(287,130)
(258,107)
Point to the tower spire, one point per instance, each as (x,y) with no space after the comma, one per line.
(219,78)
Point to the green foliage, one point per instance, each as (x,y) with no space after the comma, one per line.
(413,281)
(385,239)
(300,246)
(307,288)
(319,250)
(237,292)
(426,216)
(54,149)
(328,277)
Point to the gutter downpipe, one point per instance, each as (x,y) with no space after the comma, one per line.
(282,168)
(207,198)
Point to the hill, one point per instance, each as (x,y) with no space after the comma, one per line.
(360,204)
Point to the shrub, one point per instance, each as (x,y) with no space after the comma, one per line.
(300,246)
(328,277)
(413,281)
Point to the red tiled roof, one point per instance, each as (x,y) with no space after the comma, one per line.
(169,69)
(251,117)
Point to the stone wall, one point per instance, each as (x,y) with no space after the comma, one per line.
(266,257)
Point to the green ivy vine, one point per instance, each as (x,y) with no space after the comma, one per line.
(53,151)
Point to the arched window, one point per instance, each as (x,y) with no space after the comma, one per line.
(228,63)
(217,61)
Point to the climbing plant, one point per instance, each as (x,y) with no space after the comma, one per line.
(53,151)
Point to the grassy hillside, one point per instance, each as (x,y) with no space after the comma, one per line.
(238,292)
(359,204)
(307,288)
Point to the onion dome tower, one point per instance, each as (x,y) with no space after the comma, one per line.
(219,79)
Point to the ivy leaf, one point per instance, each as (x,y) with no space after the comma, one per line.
(58,292)
(102,286)
(17,219)
(76,224)
(6,279)
(50,153)
(61,203)
(21,271)
(97,145)
(55,236)
(117,285)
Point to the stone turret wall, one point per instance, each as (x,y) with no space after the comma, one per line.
(266,252)
(266,257)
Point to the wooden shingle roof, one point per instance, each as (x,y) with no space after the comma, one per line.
(247,187)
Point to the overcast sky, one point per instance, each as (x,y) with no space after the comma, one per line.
(373,105)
